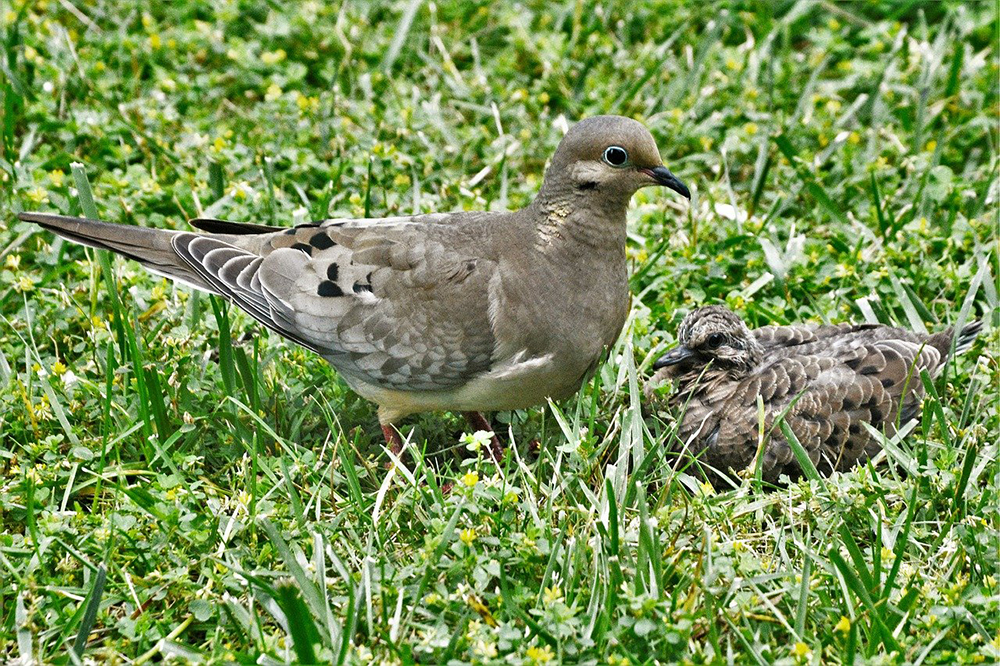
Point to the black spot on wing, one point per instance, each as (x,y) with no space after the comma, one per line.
(332,272)
(329,289)
(305,248)
(361,286)
(321,241)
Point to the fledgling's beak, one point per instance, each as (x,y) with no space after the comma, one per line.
(662,176)
(676,355)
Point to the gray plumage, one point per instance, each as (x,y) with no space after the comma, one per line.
(831,379)
(469,311)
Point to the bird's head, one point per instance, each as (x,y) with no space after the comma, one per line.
(611,155)
(715,335)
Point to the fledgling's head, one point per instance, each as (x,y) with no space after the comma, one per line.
(609,155)
(715,335)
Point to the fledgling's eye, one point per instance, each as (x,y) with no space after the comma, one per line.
(616,156)
(715,340)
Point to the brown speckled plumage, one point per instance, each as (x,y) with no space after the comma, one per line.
(831,379)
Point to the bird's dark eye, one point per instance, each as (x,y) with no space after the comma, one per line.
(616,156)
(715,340)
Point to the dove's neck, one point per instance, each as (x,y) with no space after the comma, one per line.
(574,221)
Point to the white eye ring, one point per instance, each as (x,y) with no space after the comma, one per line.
(616,156)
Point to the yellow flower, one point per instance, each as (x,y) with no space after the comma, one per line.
(750,128)
(542,655)
(931,145)
(470,479)
(154,41)
(59,368)
(273,57)
(241,191)
(218,144)
(467,536)
(844,625)
(854,138)
(12,262)
(800,649)
(37,195)
(57,177)
(552,595)
(273,92)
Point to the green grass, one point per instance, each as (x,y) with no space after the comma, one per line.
(175,482)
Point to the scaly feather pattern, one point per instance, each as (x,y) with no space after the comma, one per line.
(827,381)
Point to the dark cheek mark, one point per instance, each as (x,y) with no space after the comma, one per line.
(587,185)
(329,289)
(321,241)
(305,248)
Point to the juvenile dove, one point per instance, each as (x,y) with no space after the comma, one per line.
(467,311)
(834,377)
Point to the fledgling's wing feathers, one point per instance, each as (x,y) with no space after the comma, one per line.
(826,397)
(805,338)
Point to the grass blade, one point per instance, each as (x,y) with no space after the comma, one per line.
(90,615)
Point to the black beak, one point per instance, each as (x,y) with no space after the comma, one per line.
(662,175)
(676,355)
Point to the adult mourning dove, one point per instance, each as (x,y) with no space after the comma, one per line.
(830,379)
(467,311)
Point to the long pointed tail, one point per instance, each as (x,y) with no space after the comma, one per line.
(150,247)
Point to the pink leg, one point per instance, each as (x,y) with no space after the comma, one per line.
(393,439)
(479,422)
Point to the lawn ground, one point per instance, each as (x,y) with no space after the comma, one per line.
(175,482)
